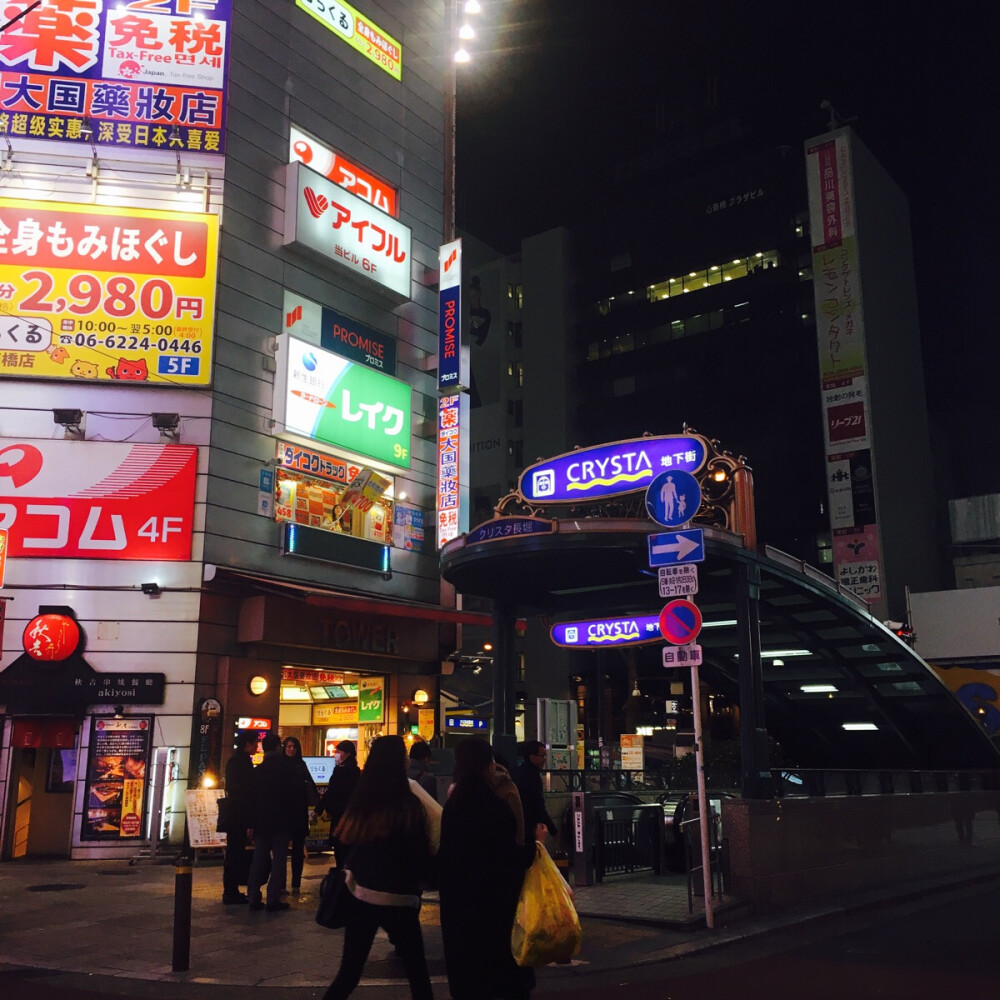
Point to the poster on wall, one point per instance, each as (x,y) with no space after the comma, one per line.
(371,699)
(98,293)
(140,75)
(117,764)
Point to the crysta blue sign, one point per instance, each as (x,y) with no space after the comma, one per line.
(610,469)
(600,633)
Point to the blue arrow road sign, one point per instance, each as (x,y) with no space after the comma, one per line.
(676,547)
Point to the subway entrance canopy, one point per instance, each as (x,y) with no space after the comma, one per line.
(832,686)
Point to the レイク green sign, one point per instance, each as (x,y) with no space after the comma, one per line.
(371,699)
(359,32)
(330,399)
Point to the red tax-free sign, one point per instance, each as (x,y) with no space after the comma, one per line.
(95,500)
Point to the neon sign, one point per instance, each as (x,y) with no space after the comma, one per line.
(610,469)
(600,633)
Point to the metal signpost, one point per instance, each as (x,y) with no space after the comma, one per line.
(680,623)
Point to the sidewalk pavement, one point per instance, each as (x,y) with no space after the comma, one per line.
(110,919)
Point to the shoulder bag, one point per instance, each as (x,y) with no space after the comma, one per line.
(335,900)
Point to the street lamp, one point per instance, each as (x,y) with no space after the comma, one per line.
(459,32)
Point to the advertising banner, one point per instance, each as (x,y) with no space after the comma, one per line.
(452,373)
(359,32)
(335,167)
(98,500)
(327,219)
(840,330)
(365,490)
(330,399)
(117,762)
(314,463)
(408,527)
(335,332)
(371,699)
(449,497)
(107,294)
(140,74)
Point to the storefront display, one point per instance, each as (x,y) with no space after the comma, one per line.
(359,508)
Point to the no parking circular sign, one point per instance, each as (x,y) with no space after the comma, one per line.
(680,622)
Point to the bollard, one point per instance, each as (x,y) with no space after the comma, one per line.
(182,915)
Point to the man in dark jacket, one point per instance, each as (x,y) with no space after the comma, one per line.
(528,777)
(239,774)
(276,790)
(420,757)
(342,783)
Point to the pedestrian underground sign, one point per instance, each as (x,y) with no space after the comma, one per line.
(677,547)
(673,498)
(680,622)
(682,656)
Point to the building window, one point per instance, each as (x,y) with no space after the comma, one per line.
(518,334)
(519,413)
(623,386)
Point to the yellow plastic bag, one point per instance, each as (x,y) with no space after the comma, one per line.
(546,926)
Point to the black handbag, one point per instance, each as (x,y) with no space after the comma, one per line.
(227,813)
(335,900)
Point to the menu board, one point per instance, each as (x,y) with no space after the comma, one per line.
(202,815)
(118,761)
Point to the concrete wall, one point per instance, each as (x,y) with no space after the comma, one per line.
(287,69)
(787,851)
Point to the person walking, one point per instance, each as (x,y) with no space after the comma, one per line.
(238,778)
(420,758)
(342,783)
(528,777)
(308,800)
(277,792)
(480,869)
(383,834)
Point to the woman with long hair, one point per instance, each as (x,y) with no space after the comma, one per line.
(386,854)
(481,867)
(307,799)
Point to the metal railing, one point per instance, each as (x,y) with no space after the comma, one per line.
(816,783)
(628,838)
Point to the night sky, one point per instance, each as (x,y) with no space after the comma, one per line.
(558,84)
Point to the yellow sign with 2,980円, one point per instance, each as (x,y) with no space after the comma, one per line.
(106,293)
(359,32)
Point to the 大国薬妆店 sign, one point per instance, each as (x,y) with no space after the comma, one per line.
(141,75)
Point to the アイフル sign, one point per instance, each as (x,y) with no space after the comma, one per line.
(330,221)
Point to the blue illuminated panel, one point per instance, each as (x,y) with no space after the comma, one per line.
(600,633)
(610,469)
